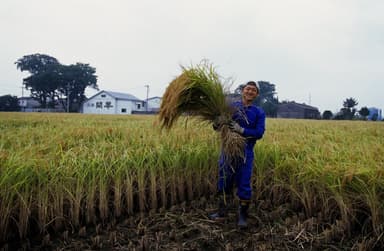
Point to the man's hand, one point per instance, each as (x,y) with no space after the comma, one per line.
(216,125)
(236,127)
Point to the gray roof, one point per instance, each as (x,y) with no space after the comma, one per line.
(156,97)
(118,95)
(304,106)
(124,96)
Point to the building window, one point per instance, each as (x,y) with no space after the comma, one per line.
(103,95)
(99,104)
(123,110)
(92,104)
(108,105)
(138,106)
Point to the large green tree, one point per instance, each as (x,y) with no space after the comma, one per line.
(9,103)
(266,99)
(43,79)
(51,82)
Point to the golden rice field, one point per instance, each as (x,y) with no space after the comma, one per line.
(63,171)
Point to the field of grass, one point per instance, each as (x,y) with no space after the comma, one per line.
(60,171)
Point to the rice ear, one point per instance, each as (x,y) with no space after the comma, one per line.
(232,143)
(169,111)
(197,91)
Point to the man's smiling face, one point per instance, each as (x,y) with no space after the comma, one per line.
(249,94)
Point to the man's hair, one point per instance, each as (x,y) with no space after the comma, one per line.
(253,83)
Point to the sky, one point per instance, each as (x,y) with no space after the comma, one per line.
(314,52)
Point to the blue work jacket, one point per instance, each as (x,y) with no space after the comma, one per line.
(252,119)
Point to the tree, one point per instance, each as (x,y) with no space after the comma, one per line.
(9,103)
(327,114)
(348,111)
(35,63)
(73,81)
(51,82)
(43,79)
(350,103)
(266,98)
(364,112)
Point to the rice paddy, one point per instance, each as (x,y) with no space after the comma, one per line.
(62,172)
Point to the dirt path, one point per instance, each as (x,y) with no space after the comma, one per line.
(188,228)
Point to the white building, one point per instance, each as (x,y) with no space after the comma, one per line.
(107,102)
(154,104)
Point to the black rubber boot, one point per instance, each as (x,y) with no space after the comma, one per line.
(221,212)
(243,214)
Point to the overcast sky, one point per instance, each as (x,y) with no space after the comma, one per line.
(315,52)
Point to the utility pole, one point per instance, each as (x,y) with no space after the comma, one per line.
(146,105)
(68,97)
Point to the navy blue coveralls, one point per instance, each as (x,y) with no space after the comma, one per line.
(252,119)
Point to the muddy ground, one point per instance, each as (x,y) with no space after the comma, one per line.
(187,227)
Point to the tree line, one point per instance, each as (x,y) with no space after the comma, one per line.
(350,112)
(52,83)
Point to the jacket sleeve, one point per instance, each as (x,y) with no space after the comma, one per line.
(257,131)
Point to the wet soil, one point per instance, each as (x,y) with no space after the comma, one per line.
(187,227)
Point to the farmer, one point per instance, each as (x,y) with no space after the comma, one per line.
(248,121)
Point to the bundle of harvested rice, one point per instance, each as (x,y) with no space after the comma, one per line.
(199,92)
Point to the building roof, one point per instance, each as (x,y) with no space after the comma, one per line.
(124,96)
(305,106)
(156,97)
(118,95)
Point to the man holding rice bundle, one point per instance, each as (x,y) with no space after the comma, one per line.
(199,92)
(249,122)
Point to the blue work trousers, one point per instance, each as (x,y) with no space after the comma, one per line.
(236,172)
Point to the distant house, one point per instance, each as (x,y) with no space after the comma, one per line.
(154,104)
(29,104)
(297,111)
(374,114)
(108,102)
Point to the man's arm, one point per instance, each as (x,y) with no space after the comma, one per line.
(258,131)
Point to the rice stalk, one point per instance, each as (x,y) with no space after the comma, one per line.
(163,188)
(103,199)
(142,186)
(180,188)
(90,203)
(154,187)
(117,197)
(129,193)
